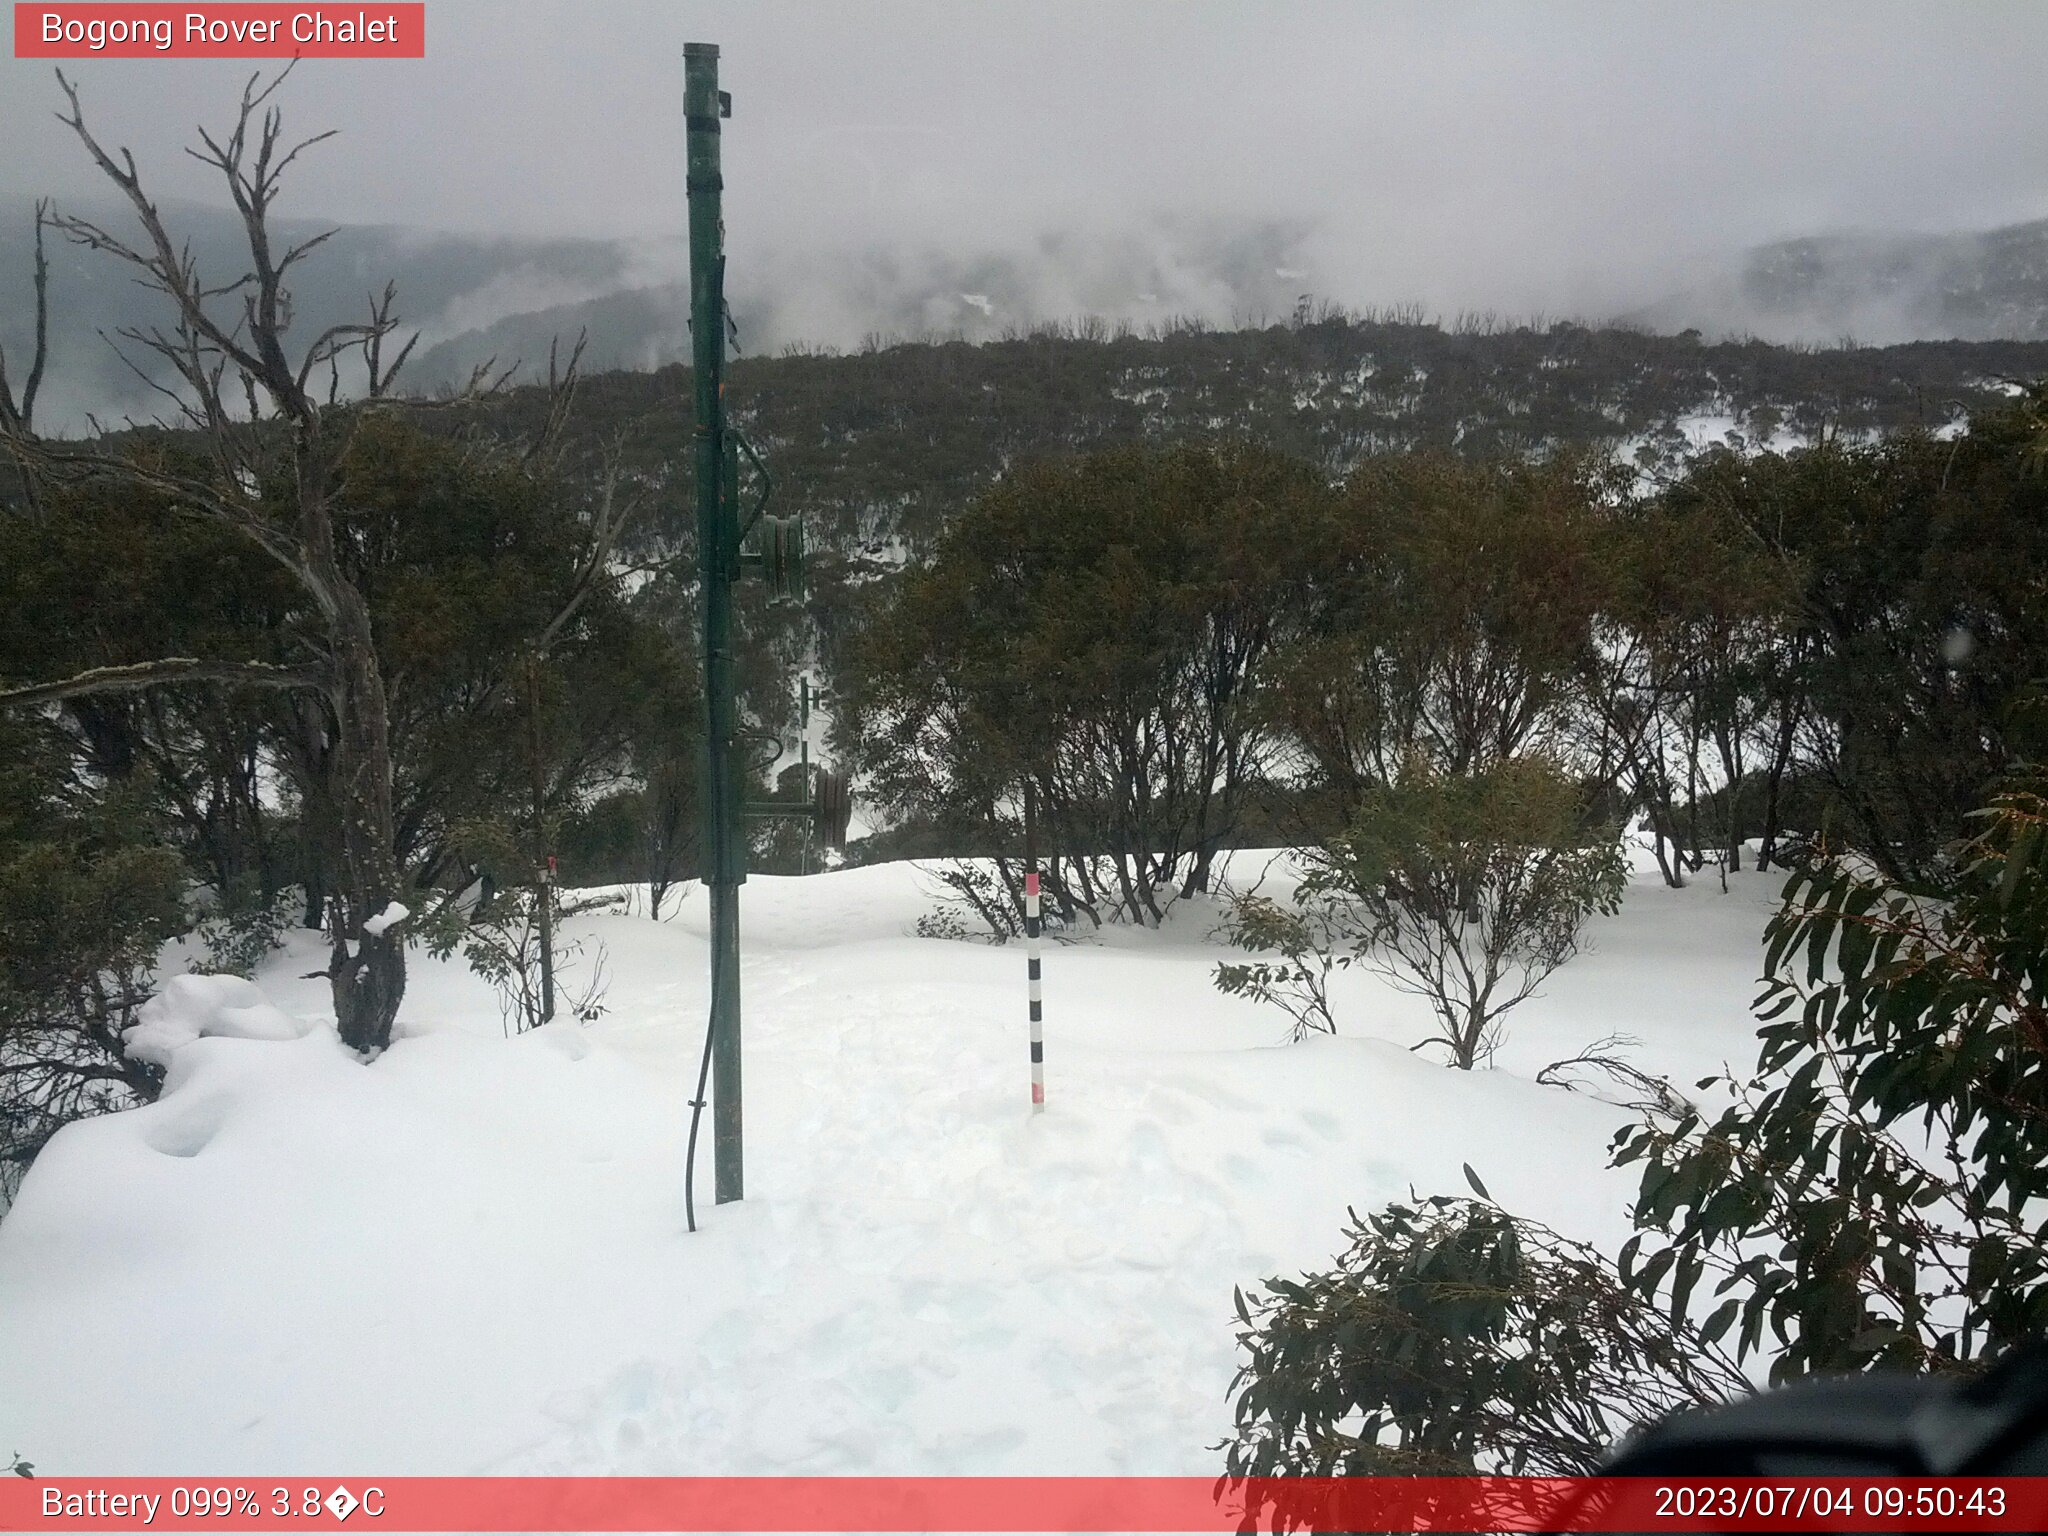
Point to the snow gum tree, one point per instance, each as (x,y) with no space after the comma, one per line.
(1448,605)
(1093,626)
(257,444)
(156,584)
(1832,638)
(1680,678)
(1467,890)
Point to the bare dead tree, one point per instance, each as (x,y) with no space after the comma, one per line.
(265,421)
(18,412)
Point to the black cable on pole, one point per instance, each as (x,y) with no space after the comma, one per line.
(697,1111)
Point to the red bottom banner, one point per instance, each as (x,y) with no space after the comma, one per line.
(1053,1504)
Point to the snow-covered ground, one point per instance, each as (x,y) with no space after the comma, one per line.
(470,1256)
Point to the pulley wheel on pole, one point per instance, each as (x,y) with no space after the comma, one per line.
(782,557)
(833,799)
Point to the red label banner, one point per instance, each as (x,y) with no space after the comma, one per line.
(999,1504)
(103,31)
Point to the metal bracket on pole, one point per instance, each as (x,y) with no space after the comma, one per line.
(767,480)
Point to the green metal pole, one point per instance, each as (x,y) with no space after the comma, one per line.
(718,561)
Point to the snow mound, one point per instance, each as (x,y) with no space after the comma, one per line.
(924,1278)
(190,1007)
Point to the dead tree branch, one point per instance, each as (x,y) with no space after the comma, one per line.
(614,514)
(156,674)
(17,414)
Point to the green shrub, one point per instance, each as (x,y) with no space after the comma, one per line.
(1873,1196)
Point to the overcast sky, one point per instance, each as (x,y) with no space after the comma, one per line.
(1501,154)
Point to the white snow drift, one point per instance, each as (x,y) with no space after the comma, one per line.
(470,1256)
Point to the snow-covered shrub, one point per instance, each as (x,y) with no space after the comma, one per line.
(971,886)
(1309,940)
(239,936)
(504,943)
(1876,1195)
(510,939)
(943,923)
(87,897)
(1466,890)
(1451,1337)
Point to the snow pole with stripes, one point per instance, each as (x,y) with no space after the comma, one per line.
(1031,929)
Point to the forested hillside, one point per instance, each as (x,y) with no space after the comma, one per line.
(882,446)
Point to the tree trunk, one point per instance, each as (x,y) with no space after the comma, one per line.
(369,983)
(544,876)
(1670,868)
(1729,744)
(1465,1053)
(1781,756)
